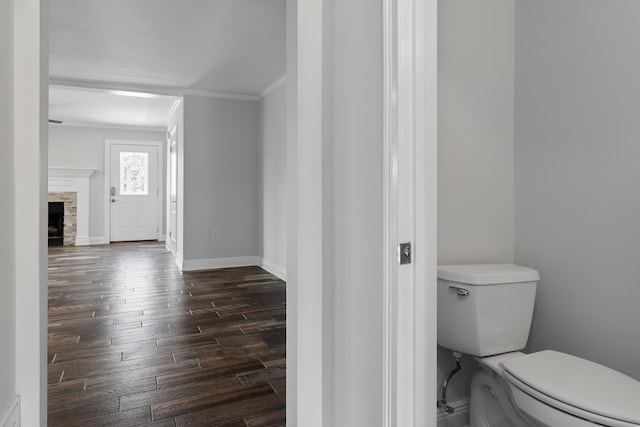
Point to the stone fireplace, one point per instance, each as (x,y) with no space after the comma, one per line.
(67,203)
(56,223)
(71,186)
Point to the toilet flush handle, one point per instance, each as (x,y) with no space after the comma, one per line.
(460,291)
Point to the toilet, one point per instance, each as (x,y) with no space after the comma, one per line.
(485,310)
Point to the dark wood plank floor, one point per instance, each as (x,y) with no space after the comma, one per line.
(133,341)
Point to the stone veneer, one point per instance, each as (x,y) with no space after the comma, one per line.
(70,200)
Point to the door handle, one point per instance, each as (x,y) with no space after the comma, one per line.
(113,200)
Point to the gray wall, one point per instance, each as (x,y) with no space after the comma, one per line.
(221,178)
(83,148)
(475,143)
(353,205)
(292,214)
(273,177)
(7,213)
(577,174)
(475,131)
(335,111)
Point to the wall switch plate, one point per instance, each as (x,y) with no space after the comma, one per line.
(214,234)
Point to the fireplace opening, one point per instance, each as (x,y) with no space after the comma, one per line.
(56,223)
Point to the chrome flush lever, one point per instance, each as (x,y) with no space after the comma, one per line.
(460,291)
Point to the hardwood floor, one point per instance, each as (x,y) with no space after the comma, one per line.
(133,341)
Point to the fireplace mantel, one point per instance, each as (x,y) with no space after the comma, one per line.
(70,180)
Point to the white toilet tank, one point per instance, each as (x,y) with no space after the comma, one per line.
(485,309)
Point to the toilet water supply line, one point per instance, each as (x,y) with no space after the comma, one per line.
(442,403)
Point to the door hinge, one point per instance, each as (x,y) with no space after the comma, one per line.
(404,253)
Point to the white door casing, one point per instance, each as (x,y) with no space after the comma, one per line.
(172,237)
(132,215)
(410,198)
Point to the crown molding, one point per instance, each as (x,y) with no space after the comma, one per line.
(146,89)
(275,85)
(109,126)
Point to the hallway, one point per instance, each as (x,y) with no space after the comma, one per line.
(133,341)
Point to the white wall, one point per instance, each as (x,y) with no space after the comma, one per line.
(577,174)
(30,163)
(353,107)
(83,148)
(273,180)
(7,214)
(221,180)
(475,131)
(475,144)
(336,167)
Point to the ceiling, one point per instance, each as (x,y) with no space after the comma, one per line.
(124,63)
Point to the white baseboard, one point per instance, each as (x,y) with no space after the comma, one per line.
(179,261)
(83,240)
(212,263)
(12,417)
(275,269)
(459,418)
(99,240)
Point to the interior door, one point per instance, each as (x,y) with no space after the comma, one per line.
(133,192)
(173,191)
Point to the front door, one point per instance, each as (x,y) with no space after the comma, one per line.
(133,192)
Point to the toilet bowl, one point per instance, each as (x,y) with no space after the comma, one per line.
(550,388)
(485,311)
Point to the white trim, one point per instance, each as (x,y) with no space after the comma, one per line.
(179,261)
(213,263)
(108,126)
(461,407)
(275,269)
(83,241)
(96,85)
(223,95)
(170,134)
(390,148)
(147,89)
(75,180)
(174,108)
(426,209)
(99,240)
(160,146)
(410,211)
(275,85)
(11,418)
(70,173)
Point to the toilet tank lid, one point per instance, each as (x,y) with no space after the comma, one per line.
(487,274)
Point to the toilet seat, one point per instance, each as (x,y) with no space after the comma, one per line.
(577,386)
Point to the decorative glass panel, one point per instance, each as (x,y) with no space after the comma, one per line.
(134,174)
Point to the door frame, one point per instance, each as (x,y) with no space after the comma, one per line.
(170,133)
(410,212)
(108,143)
